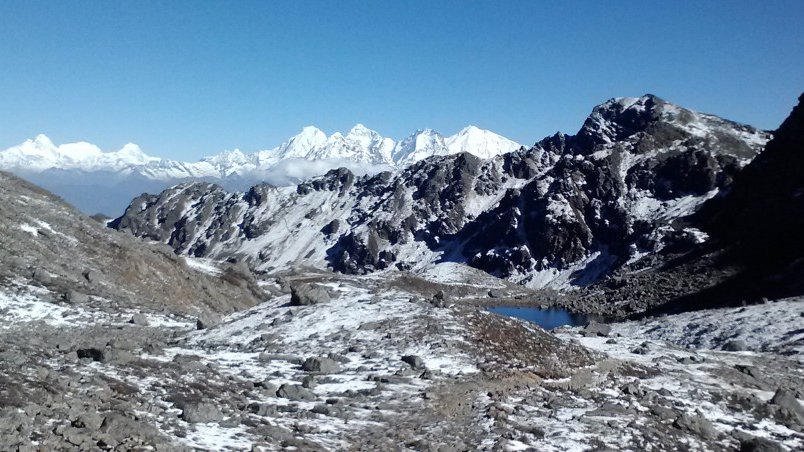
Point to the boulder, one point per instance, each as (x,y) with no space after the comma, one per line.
(321,365)
(789,406)
(201,412)
(308,294)
(73,297)
(696,424)
(295,392)
(735,346)
(596,329)
(414,361)
(139,319)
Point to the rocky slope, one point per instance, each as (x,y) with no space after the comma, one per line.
(378,362)
(48,244)
(564,212)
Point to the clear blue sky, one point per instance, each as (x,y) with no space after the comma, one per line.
(186,79)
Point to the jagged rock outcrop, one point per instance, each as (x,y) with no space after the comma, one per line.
(567,210)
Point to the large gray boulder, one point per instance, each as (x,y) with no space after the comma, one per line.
(295,392)
(790,409)
(308,294)
(735,346)
(201,412)
(321,365)
(596,329)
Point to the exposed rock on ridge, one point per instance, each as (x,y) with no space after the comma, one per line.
(565,211)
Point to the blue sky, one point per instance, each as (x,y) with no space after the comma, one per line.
(186,79)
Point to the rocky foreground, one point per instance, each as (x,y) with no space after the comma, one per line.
(391,362)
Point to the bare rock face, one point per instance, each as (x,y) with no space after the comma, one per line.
(580,205)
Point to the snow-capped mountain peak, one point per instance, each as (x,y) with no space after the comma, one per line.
(480,142)
(300,145)
(41,154)
(360,149)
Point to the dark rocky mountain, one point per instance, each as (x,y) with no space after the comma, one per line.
(761,217)
(755,246)
(566,211)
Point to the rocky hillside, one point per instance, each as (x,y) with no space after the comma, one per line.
(565,211)
(46,243)
(753,250)
(761,217)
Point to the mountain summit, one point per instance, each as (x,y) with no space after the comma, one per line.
(360,145)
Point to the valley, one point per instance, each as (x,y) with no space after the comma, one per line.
(378,312)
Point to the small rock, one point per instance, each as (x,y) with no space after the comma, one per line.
(735,346)
(139,319)
(414,361)
(308,382)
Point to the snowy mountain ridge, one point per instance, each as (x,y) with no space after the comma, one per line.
(561,213)
(360,145)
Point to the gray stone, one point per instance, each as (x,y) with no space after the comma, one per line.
(750,443)
(139,319)
(295,392)
(696,424)
(735,346)
(789,405)
(200,412)
(308,294)
(321,365)
(596,329)
(73,297)
(414,361)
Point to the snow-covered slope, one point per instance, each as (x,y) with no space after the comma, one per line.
(41,154)
(565,211)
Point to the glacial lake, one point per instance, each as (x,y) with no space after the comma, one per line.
(548,319)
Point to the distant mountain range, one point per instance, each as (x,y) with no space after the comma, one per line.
(76,171)
(563,213)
